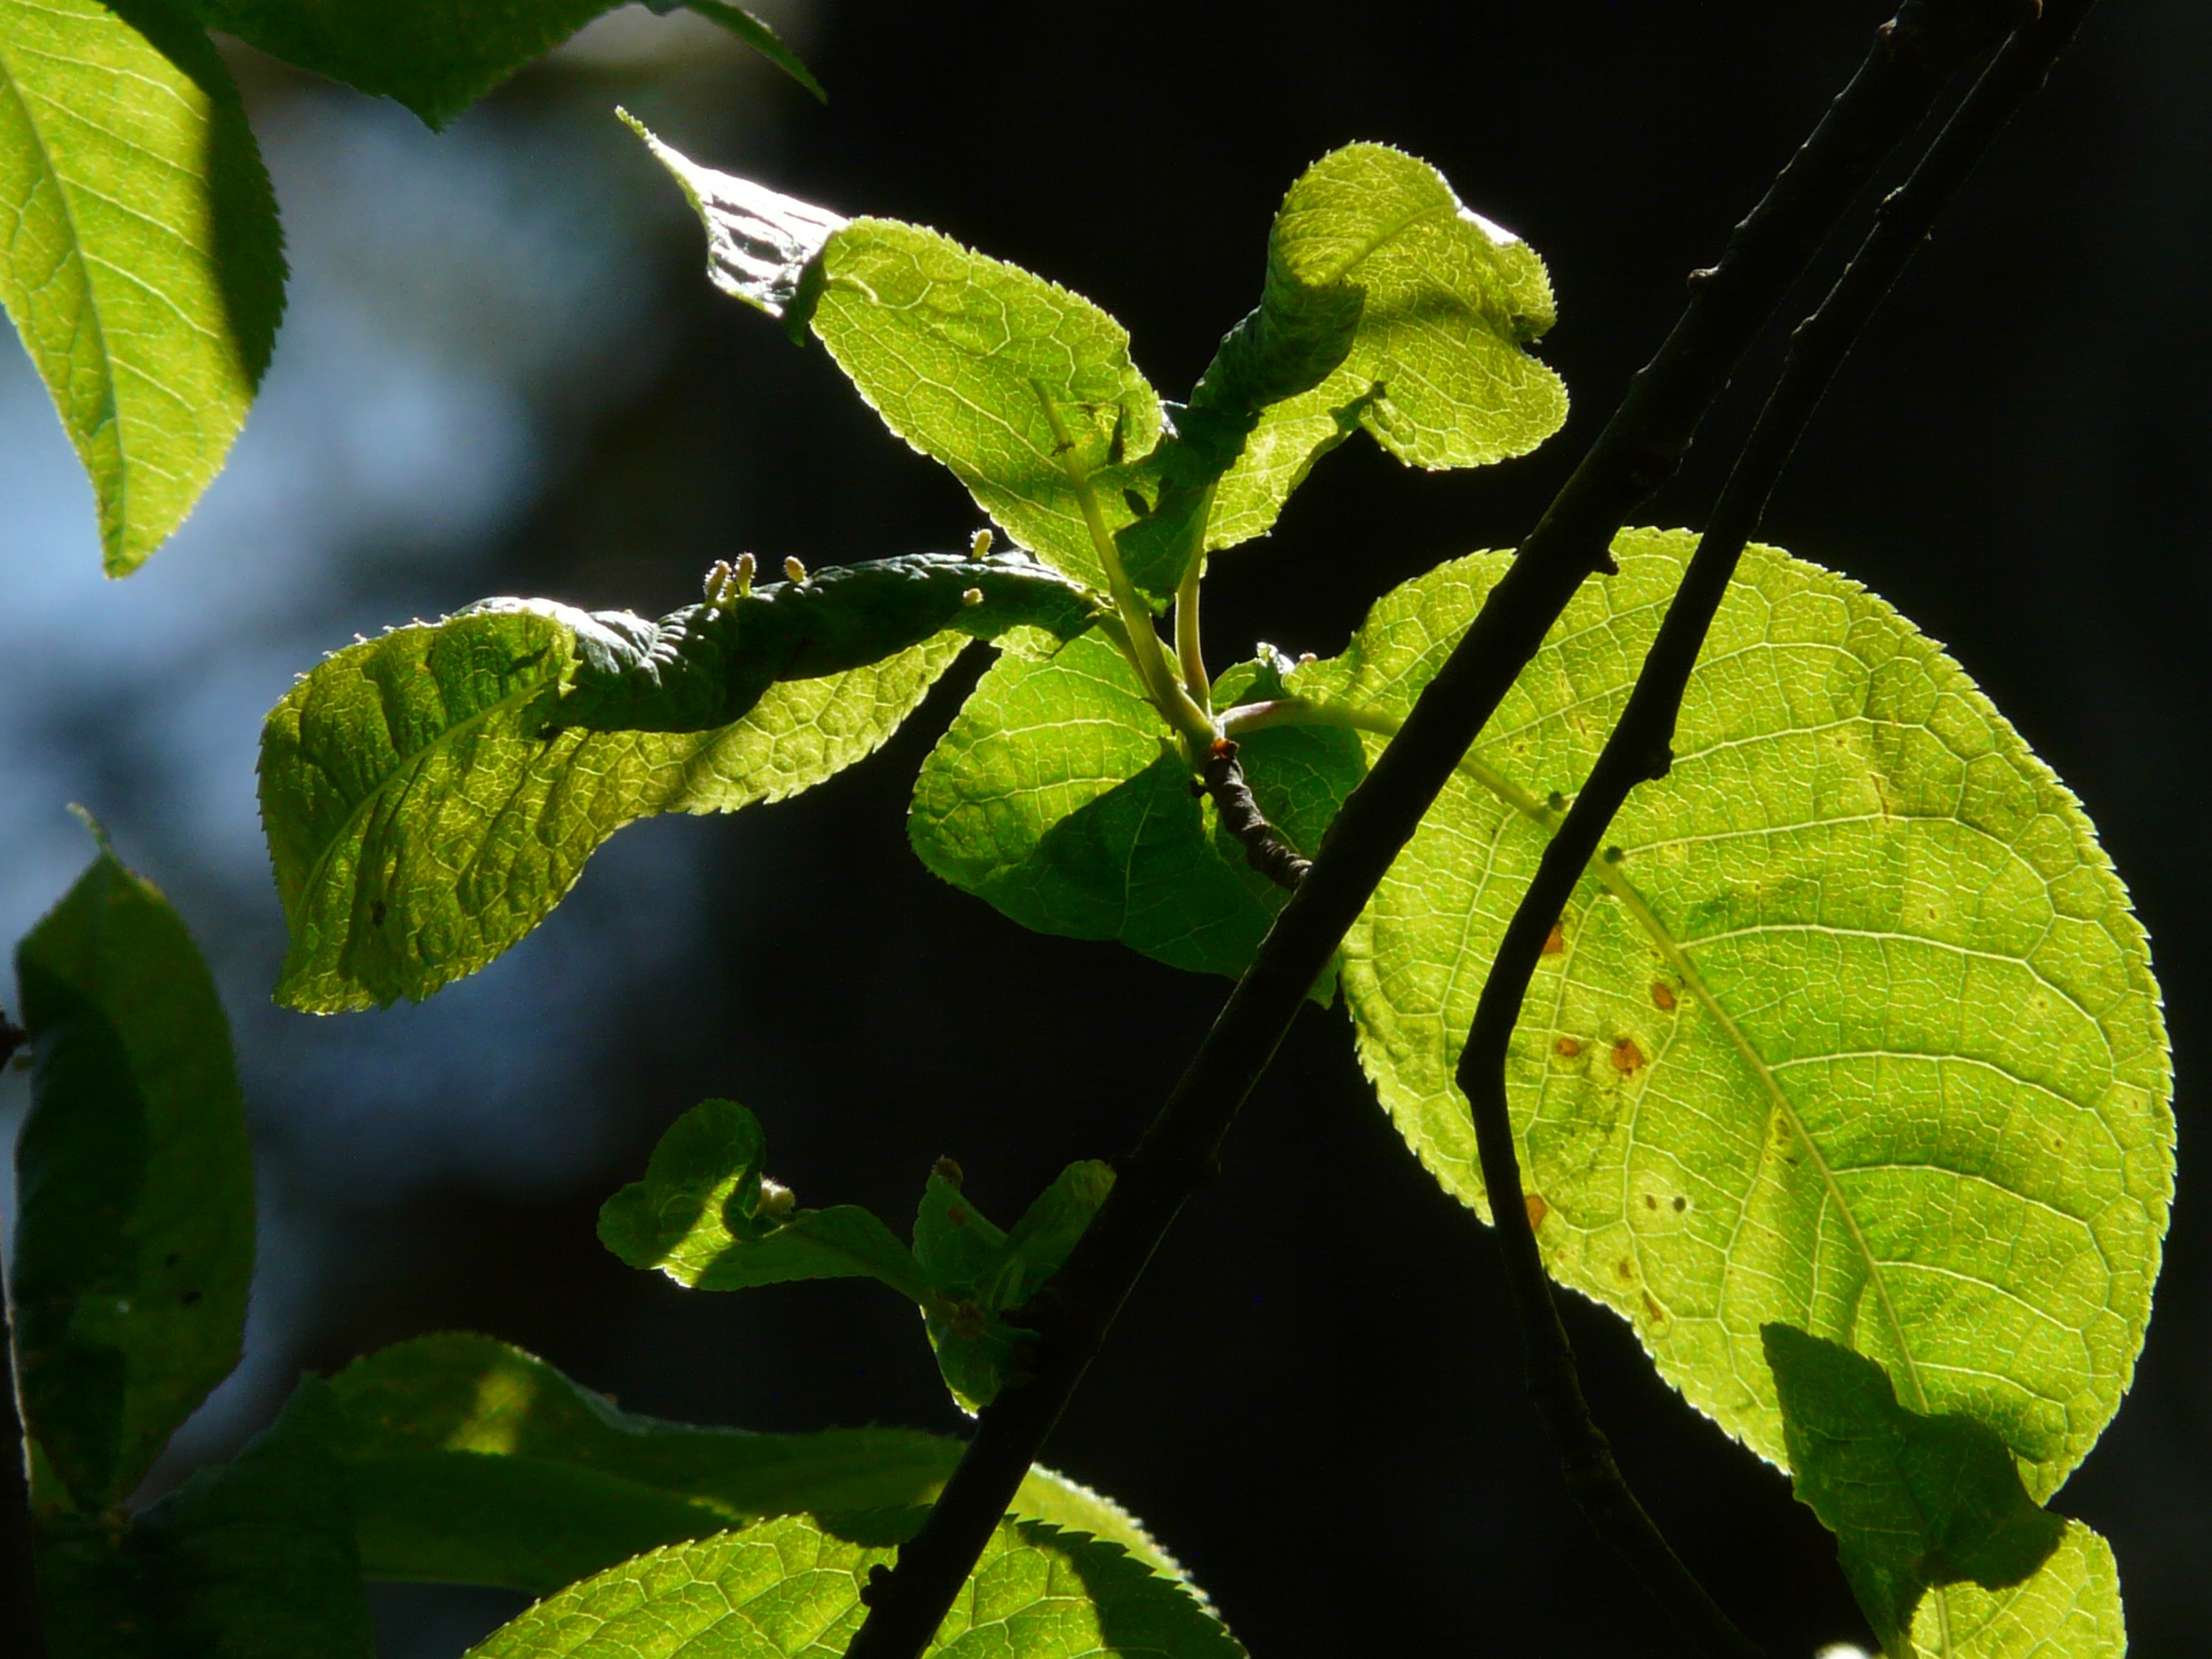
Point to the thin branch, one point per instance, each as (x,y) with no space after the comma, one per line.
(1638,749)
(1913,56)
(1265,849)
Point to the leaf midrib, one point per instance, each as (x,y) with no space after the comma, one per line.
(13,80)
(404,764)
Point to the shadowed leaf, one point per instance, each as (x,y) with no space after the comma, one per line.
(134,1243)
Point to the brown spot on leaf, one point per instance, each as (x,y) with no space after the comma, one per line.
(947,1169)
(1568,1047)
(1681,1204)
(1650,1202)
(1627,1268)
(1651,1306)
(1626,1056)
(1555,941)
(1662,997)
(1537,1209)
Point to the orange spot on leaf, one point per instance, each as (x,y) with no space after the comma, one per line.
(1568,1047)
(1555,941)
(1537,1209)
(1626,1056)
(1662,997)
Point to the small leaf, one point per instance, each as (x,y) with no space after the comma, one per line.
(1915,1502)
(978,1274)
(698,1217)
(974,362)
(1058,796)
(1854,1030)
(429,796)
(788,1587)
(254,1559)
(2071,1609)
(134,1243)
(761,245)
(474,1463)
(1387,306)
(142,263)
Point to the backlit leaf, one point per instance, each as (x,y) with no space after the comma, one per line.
(791,1587)
(134,1243)
(1915,1502)
(1390,307)
(473,1462)
(2071,1609)
(140,256)
(1059,796)
(429,796)
(698,1217)
(1858,1035)
(1025,390)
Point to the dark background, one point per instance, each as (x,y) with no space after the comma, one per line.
(1314,1398)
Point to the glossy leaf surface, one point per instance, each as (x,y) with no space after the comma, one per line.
(1858,1034)
(1915,1502)
(140,257)
(792,1586)
(134,1244)
(1059,797)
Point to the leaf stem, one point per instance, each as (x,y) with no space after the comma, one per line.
(1639,748)
(1913,56)
(1184,716)
(1189,650)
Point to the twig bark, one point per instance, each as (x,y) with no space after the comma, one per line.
(1265,849)
(1639,748)
(1913,56)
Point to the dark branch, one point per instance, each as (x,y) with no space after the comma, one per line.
(1265,849)
(1913,56)
(1638,749)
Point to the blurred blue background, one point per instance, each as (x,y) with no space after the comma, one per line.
(503,371)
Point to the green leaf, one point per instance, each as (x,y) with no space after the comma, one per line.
(438,57)
(429,796)
(1059,796)
(789,1586)
(134,1243)
(976,1273)
(140,258)
(254,1559)
(704,1216)
(1915,1502)
(1858,1035)
(2071,1609)
(1387,306)
(755,34)
(473,1462)
(1025,390)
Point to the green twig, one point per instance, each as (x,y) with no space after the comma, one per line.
(1913,56)
(1639,748)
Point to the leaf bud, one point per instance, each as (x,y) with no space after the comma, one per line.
(971,596)
(776,1201)
(978,545)
(792,569)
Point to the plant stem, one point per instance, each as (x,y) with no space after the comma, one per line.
(1189,649)
(1639,748)
(1188,720)
(1913,56)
